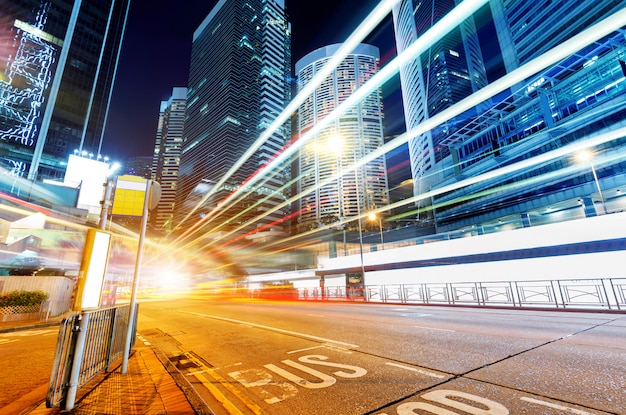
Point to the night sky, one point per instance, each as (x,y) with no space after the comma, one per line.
(157,48)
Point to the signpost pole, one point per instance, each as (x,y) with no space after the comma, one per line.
(133,297)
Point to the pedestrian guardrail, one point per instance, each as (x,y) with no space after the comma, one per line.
(600,293)
(78,360)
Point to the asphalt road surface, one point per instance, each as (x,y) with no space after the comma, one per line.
(25,364)
(264,357)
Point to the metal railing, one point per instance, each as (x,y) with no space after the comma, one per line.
(77,362)
(601,293)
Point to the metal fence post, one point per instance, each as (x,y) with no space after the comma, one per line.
(77,361)
(112,340)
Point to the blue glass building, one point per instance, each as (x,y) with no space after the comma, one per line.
(576,101)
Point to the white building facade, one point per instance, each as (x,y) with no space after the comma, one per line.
(333,184)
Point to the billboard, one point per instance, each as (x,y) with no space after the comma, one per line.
(89,176)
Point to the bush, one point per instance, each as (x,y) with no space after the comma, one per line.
(23,298)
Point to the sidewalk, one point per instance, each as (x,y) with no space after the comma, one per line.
(148,387)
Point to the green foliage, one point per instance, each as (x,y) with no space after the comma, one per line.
(24,298)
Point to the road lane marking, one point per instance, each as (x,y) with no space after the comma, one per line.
(276,329)
(316,315)
(28,333)
(434,328)
(3,341)
(423,372)
(555,406)
(228,405)
(306,349)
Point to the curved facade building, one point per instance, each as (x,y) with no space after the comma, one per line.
(352,135)
(449,71)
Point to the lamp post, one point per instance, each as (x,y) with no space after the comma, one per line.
(587,156)
(358,213)
(373,217)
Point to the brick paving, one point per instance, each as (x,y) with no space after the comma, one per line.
(147,388)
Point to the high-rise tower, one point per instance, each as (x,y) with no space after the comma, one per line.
(349,137)
(169,137)
(32,34)
(572,102)
(239,82)
(450,70)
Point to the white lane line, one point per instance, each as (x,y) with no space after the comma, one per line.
(316,315)
(3,341)
(555,406)
(294,333)
(305,350)
(434,328)
(412,369)
(323,346)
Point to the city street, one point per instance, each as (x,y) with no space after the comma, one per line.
(322,358)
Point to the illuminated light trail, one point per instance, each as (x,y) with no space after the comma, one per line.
(288,248)
(594,33)
(222,207)
(549,156)
(447,23)
(257,230)
(441,28)
(369,23)
(545,157)
(218,212)
(526,182)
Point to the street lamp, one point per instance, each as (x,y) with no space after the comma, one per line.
(587,156)
(358,213)
(372,217)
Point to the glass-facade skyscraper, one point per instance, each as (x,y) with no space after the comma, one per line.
(169,138)
(32,35)
(450,70)
(326,196)
(577,100)
(239,82)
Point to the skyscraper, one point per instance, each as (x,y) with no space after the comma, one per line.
(327,196)
(449,71)
(574,101)
(169,137)
(32,34)
(239,81)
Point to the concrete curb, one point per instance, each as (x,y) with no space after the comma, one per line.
(198,404)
